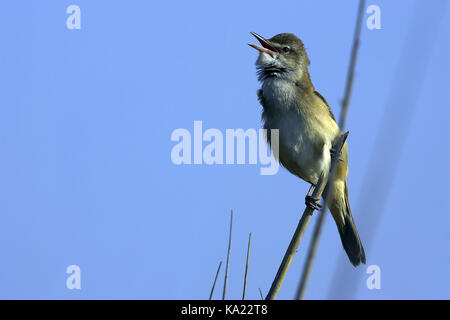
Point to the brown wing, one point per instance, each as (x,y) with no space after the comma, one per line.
(326,103)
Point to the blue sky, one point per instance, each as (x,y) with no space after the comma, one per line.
(86,175)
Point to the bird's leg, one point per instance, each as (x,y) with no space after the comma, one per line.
(310,201)
(335,154)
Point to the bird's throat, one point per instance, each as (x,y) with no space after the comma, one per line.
(279,94)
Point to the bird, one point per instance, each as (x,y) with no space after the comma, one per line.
(307,129)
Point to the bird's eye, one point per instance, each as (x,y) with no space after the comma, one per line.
(286,49)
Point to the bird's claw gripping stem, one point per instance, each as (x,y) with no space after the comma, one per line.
(335,154)
(312,203)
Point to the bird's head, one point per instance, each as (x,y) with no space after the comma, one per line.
(282,56)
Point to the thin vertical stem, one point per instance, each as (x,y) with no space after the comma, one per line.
(215,280)
(228,257)
(246,265)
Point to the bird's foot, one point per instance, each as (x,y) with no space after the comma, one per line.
(334,154)
(312,203)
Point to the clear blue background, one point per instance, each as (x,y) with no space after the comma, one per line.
(85,171)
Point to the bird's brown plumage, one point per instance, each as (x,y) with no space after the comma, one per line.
(307,128)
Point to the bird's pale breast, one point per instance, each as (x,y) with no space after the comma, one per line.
(306,133)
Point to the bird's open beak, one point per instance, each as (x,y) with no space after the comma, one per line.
(266,47)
